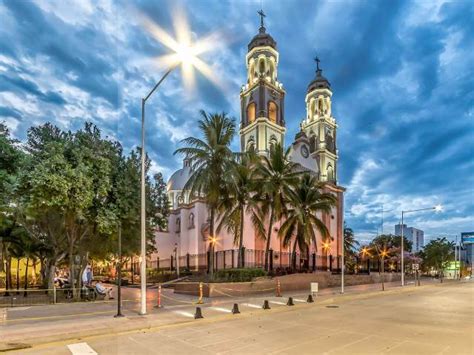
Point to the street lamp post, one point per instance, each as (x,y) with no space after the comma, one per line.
(437,208)
(143,205)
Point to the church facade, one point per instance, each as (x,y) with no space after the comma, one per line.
(262,124)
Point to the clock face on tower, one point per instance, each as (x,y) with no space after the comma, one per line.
(304,151)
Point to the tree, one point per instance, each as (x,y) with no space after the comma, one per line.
(211,157)
(275,175)
(11,161)
(350,243)
(239,198)
(437,253)
(305,200)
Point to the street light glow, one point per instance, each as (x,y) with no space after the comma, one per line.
(185,51)
(438,208)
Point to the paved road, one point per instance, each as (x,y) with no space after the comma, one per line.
(46,314)
(435,319)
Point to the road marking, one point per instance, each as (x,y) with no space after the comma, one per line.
(221,309)
(81,349)
(18,309)
(184,313)
(299,300)
(277,302)
(251,305)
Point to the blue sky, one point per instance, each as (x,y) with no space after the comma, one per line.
(401,72)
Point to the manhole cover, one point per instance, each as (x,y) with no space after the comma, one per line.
(332,306)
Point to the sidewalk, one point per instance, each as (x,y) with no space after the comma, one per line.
(42,324)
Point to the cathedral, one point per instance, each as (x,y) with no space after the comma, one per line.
(262,124)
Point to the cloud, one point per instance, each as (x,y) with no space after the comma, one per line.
(401,74)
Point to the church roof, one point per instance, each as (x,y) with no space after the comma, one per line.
(319,82)
(178,180)
(262,39)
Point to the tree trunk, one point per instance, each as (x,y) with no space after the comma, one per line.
(8,275)
(72,278)
(34,280)
(211,245)
(267,244)
(26,276)
(17,275)
(293,256)
(241,238)
(50,273)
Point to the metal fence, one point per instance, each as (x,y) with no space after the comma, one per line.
(34,296)
(278,262)
(228,259)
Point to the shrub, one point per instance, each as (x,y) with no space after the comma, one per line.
(238,275)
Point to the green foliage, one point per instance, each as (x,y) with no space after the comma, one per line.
(437,253)
(238,275)
(275,175)
(391,242)
(305,199)
(239,197)
(211,158)
(350,243)
(70,191)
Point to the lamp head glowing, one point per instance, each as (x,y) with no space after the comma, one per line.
(185,54)
(438,208)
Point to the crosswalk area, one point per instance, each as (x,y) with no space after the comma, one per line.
(213,308)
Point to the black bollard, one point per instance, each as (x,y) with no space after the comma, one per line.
(235,309)
(290,302)
(310,298)
(198,313)
(266,305)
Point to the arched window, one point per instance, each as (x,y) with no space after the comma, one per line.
(330,173)
(261,66)
(191,221)
(178,225)
(250,145)
(272,111)
(251,108)
(273,141)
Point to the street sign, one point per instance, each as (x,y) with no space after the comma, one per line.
(314,287)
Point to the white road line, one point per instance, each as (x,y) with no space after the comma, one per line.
(81,349)
(299,300)
(184,313)
(277,302)
(221,309)
(12,309)
(251,305)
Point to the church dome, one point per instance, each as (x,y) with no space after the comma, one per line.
(319,82)
(262,39)
(178,180)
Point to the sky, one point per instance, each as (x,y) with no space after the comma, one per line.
(401,74)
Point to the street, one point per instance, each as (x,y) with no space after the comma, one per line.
(436,318)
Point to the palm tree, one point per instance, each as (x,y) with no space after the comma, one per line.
(238,199)
(350,243)
(275,175)
(211,158)
(305,200)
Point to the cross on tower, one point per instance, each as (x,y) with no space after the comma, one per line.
(316,59)
(262,15)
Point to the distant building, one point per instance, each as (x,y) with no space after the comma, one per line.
(467,253)
(416,236)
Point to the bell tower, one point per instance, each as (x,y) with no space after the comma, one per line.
(320,126)
(262,98)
